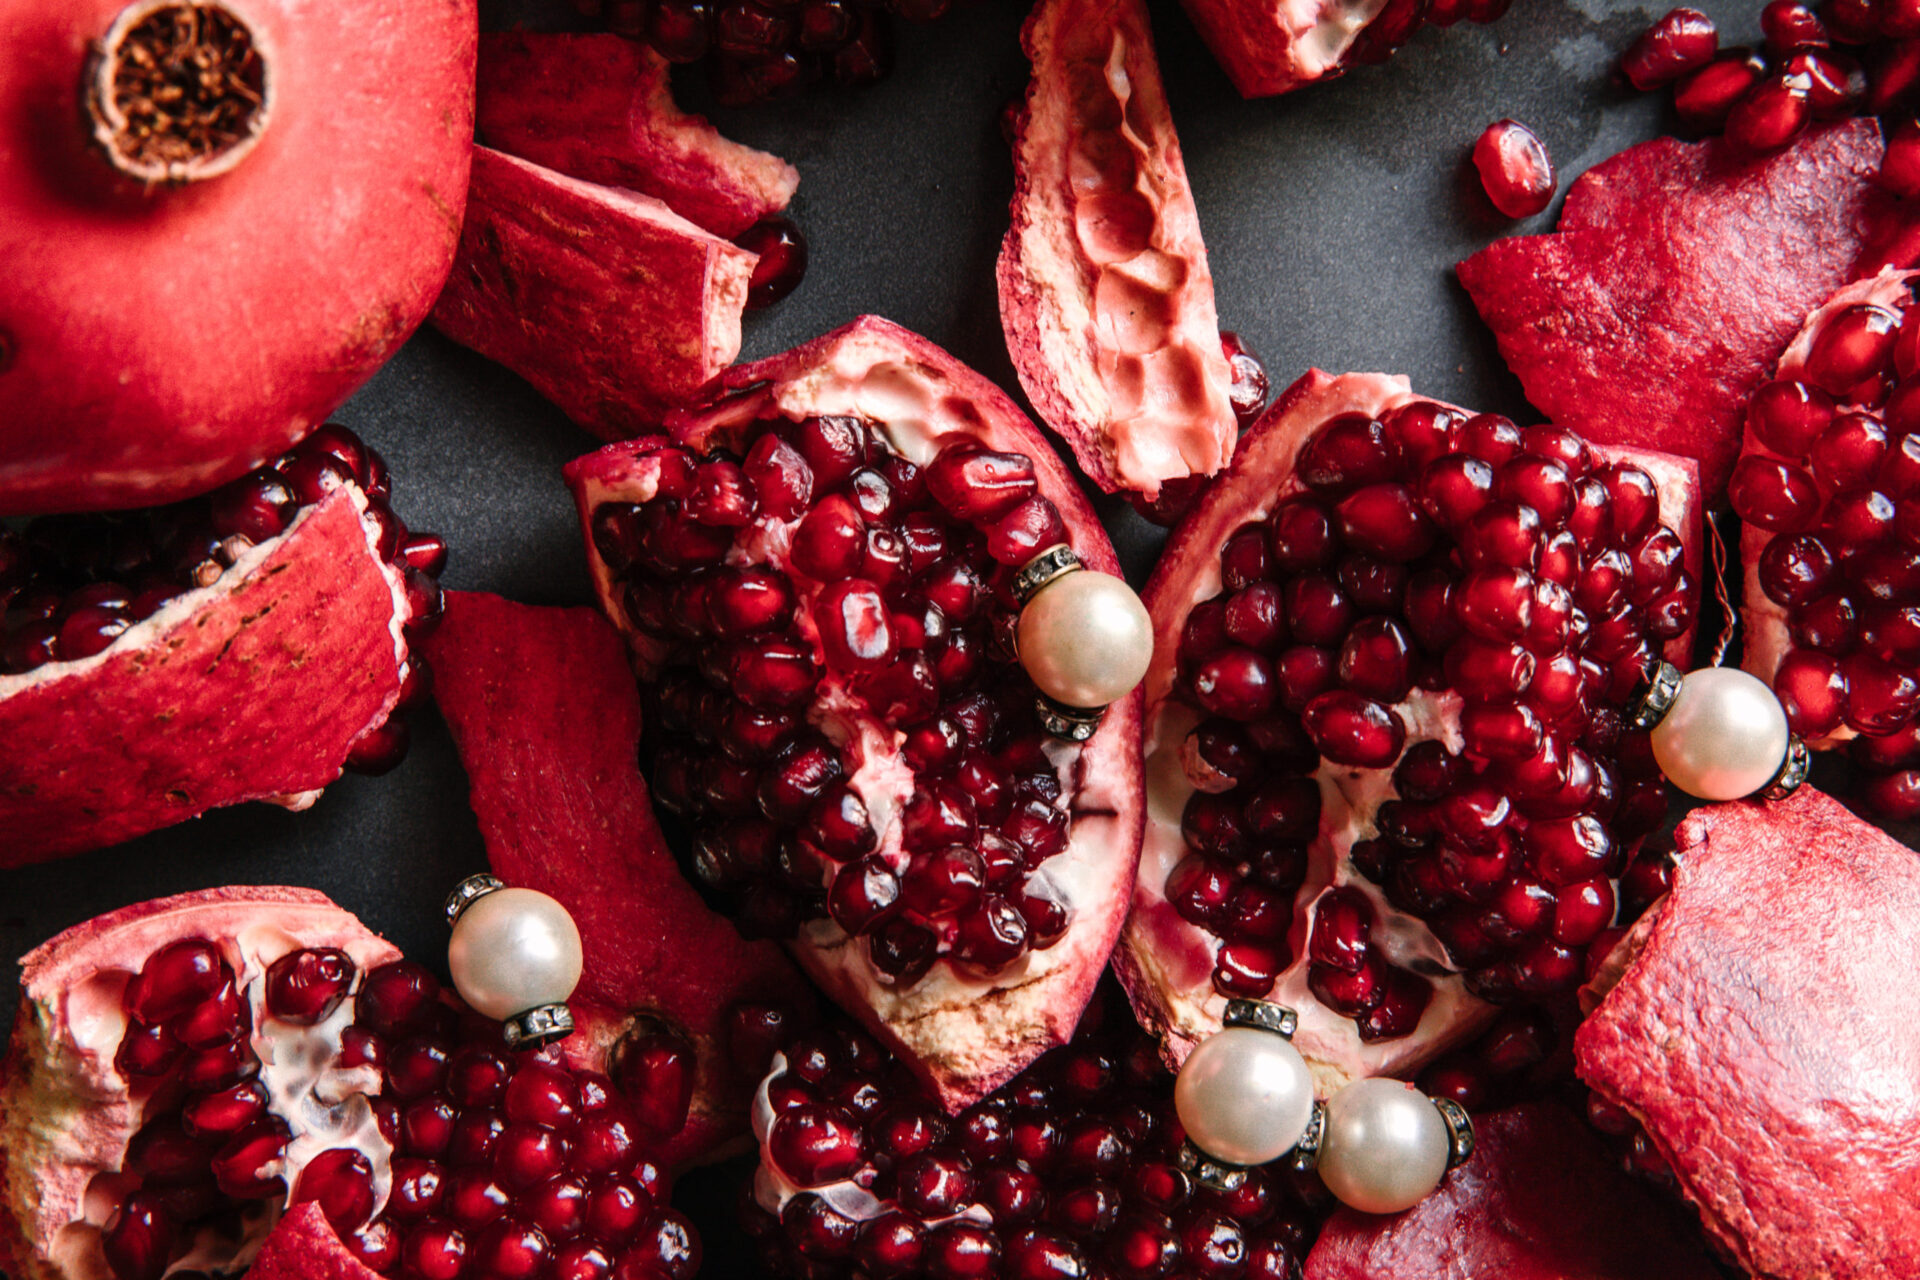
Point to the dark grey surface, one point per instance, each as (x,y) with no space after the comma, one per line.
(1333,218)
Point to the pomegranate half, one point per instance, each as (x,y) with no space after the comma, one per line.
(183,1069)
(1388,774)
(815,575)
(245,645)
(217,219)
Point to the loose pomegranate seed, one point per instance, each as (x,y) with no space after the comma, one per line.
(1515,170)
(781,248)
(1679,42)
(1705,98)
(1791,26)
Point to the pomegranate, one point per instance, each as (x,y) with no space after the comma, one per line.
(239,646)
(183,1067)
(1267,48)
(1670,249)
(1515,170)
(1683,40)
(816,577)
(599,108)
(1749,1025)
(545,714)
(615,338)
(1105,293)
(1539,1201)
(1071,1169)
(215,224)
(1389,775)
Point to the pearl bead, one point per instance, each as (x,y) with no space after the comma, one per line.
(1724,737)
(1385,1147)
(514,950)
(1086,639)
(1244,1096)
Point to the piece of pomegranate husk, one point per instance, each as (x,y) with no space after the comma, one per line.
(1268,47)
(615,338)
(1539,1200)
(1314,853)
(292,659)
(543,710)
(1105,292)
(1752,1025)
(965,1035)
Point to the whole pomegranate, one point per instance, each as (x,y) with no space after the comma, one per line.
(217,219)
(1389,774)
(817,576)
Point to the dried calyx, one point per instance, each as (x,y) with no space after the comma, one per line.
(178,92)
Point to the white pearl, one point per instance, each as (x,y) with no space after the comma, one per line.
(1724,737)
(1385,1147)
(1244,1096)
(1086,639)
(514,950)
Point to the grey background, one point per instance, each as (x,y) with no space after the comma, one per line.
(1333,218)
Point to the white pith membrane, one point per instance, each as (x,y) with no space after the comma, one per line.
(1283,44)
(66,1135)
(1768,639)
(1327,29)
(1166,962)
(1117,339)
(962,1033)
(179,612)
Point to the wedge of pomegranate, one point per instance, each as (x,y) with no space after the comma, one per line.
(1277,46)
(1750,1025)
(600,108)
(1678,274)
(1072,1169)
(1105,293)
(183,1068)
(1388,775)
(815,575)
(241,646)
(546,717)
(616,337)
(1539,1201)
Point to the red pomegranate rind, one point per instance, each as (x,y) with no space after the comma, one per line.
(963,1037)
(303,632)
(1679,272)
(1540,1200)
(302,1246)
(615,336)
(1275,46)
(545,715)
(1756,1035)
(65,1111)
(600,108)
(1105,293)
(1165,962)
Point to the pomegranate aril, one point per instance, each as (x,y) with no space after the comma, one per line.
(1385,520)
(978,485)
(1679,42)
(1774,495)
(1301,536)
(341,1182)
(139,1239)
(1238,684)
(782,251)
(1515,170)
(830,542)
(305,987)
(864,894)
(174,979)
(1347,452)
(1024,532)
(434,1250)
(1374,660)
(1704,98)
(245,1165)
(1769,115)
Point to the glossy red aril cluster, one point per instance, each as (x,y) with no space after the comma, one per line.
(1400,20)
(71,585)
(1426,554)
(1763,99)
(1515,169)
(503,1164)
(1069,1171)
(896,599)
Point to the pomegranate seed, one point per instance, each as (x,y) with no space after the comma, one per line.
(1900,167)
(174,979)
(830,542)
(139,1239)
(1385,520)
(1851,346)
(1515,170)
(616,1208)
(656,1076)
(1238,684)
(241,1166)
(1705,98)
(341,1182)
(782,479)
(978,485)
(1770,115)
(1774,495)
(1301,536)
(1790,26)
(815,1145)
(396,998)
(1679,42)
(305,987)
(782,253)
(1346,453)
(435,1250)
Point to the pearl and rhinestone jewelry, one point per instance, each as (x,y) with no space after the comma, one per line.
(1720,734)
(1083,637)
(515,956)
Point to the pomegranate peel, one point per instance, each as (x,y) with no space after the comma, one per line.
(302,1246)
(1313,849)
(545,715)
(1540,1200)
(1275,46)
(318,186)
(1751,1029)
(1670,249)
(615,338)
(304,630)
(1105,293)
(600,108)
(907,404)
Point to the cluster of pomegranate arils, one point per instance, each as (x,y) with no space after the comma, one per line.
(1852,57)
(1077,1163)
(71,585)
(758,50)
(1833,480)
(505,1165)
(916,569)
(1428,551)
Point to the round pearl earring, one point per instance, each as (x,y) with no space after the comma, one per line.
(1719,733)
(1245,1096)
(515,956)
(1385,1145)
(1084,638)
